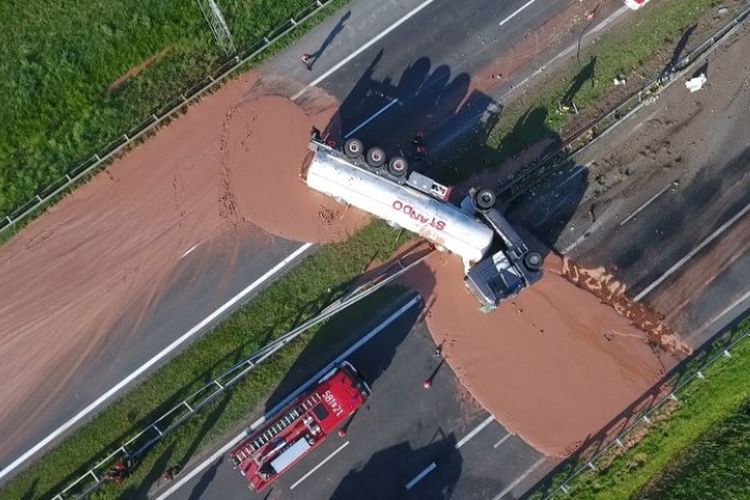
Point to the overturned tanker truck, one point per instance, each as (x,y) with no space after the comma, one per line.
(412,201)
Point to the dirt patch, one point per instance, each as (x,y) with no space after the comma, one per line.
(553,364)
(136,70)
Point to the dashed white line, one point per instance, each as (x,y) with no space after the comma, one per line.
(520,478)
(364,123)
(421,476)
(321,464)
(642,207)
(518,11)
(502,440)
(153,361)
(692,254)
(364,47)
(312,380)
(475,431)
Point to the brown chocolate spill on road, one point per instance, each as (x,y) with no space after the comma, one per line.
(229,164)
(553,364)
(612,292)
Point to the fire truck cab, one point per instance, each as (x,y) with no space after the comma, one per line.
(300,427)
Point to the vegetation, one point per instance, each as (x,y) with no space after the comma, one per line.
(77,75)
(717,466)
(696,450)
(88,110)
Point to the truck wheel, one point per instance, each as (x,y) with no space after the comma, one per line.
(375,157)
(353,148)
(533,260)
(398,166)
(485,199)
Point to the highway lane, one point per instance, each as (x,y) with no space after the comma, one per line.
(205,282)
(664,204)
(391,444)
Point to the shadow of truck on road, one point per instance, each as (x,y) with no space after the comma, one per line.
(392,473)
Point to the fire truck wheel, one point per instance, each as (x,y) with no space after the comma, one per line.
(485,199)
(375,157)
(353,148)
(533,260)
(398,166)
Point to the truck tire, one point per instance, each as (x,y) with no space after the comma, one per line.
(484,199)
(375,157)
(353,148)
(533,260)
(398,166)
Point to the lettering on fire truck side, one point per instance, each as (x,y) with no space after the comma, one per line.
(329,398)
(414,214)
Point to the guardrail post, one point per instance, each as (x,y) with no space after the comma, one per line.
(726,353)
(673,397)
(700,375)
(619,443)
(565,488)
(294,23)
(94,476)
(188,407)
(7,217)
(38,198)
(265,39)
(157,429)
(646,419)
(126,137)
(219,384)
(591,466)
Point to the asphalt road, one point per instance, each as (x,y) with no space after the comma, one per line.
(436,50)
(401,432)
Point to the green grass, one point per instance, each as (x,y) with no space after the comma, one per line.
(295,297)
(709,410)
(717,466)
(304,289)
(58,60)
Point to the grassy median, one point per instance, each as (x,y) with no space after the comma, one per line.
(690,452)
(77,75)
(273,312)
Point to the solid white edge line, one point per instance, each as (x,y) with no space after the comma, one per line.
(693,252)
(364,47)
(364,123)
(502,440)
(518,11)
(520,478)
(235,440)
(476,430)
(421,475)
(321,464)
(151,362)
(644,205)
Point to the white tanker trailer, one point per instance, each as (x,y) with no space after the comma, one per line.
(419,204)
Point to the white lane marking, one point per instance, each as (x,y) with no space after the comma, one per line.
(364,123)
(692,254)
(233,442)
(520,478)
(187,252)
(647,203)
(504,438)
(421,475)
(321,464)
(518,11)
(364,47)
(475,431)
(725,311)
(151,362)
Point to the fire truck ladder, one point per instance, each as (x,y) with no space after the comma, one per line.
(278,426)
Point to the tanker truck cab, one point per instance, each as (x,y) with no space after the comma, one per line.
(511,268)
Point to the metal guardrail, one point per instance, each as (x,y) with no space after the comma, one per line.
(645,417)
(589,135)
(144,439)
(165,112)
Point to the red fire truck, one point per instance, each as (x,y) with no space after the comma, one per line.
(300,427)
